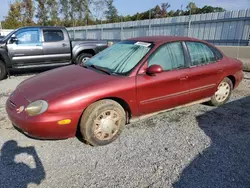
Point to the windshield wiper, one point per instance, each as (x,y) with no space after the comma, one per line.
(100,69)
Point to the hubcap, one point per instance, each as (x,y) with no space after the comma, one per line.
(106,125)
(84,60)
(222,92)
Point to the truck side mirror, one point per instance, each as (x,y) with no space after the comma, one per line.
(13,39)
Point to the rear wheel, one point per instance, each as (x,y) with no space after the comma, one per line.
(102,122)
(3,71)
(83,58)
(223,92)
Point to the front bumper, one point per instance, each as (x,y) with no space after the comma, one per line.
(44,126)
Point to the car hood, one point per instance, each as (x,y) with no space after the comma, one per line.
(60,81)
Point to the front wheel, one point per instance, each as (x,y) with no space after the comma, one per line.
(223,93)
(102,122)
(83,58)
(3,71)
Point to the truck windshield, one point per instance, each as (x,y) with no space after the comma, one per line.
(121,57)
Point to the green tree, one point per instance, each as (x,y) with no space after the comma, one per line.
(164,9)
(28,12)
(171,13)
(98,7)
(177,13)
(208,9)
(73,12)
(42,12)
(127,18)
(14,18)
(53,9)
(64,10)
(157,12)
(193,7)
(111,13)
(84,12)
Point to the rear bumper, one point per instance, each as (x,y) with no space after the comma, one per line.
(44,126)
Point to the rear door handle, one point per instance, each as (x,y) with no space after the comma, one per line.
(182,78)
(64,44)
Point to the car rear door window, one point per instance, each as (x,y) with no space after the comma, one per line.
(53,35)
(200,53)
(169,56)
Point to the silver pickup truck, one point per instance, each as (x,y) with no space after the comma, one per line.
(30,48)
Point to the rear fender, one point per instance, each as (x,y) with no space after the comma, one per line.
(81,47)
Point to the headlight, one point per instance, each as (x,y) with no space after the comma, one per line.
(36,107)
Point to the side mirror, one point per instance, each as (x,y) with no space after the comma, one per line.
(13,39)
(153,69)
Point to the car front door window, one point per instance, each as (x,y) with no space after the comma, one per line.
(28,37)
(170,57)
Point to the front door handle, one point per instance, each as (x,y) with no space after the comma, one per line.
(182,78)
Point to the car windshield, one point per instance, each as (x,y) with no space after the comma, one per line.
(121,57)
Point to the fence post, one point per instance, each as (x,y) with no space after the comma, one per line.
(189,22)
(101,30)
(86,33)
(249,38)
(149,25)
(121,29)
(189,26)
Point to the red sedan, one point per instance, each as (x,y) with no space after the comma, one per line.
(131,79)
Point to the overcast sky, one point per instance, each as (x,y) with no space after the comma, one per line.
(132,6)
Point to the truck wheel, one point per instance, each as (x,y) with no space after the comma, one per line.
(3,71)
(102,122)
(83,58)
(223,93)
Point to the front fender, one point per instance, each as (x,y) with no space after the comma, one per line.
(6,59)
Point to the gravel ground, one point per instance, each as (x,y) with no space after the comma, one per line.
(197,146)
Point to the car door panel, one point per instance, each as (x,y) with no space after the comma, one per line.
(162,91)
(56,46)
(28,49)
(205,71)
(166,89)
(203,81)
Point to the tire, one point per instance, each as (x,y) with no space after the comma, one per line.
(83,56)
(102,122)
(3,71)
(221,97)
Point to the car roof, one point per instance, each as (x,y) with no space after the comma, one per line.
(163,39)
(43,27)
